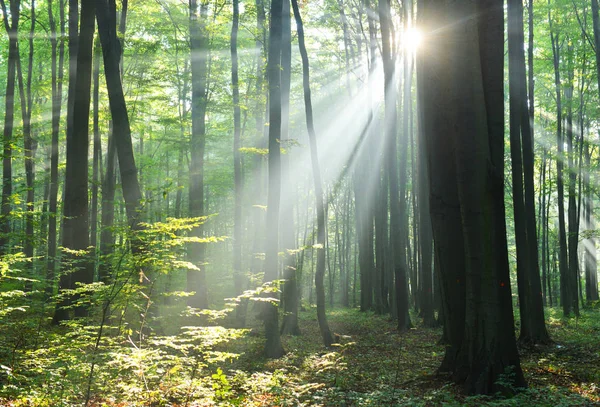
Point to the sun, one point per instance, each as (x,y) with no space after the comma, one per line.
(411,39)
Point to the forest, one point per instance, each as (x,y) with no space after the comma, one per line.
(299,203)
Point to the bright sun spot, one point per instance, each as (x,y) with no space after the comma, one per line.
(411,39)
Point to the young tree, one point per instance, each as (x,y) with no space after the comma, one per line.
(565,286)
(199,43)
(398,221)
(12,29)
(320,202)
(58,52)
(237,163)
(289,323)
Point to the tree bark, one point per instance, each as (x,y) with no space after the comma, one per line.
(533,329)
(196,280)
(319,196)
(463,71)
(565,291)
(237,163)
(289,323)
(76,221)
(9,113)
(57,80)
(398,221)
(273,348)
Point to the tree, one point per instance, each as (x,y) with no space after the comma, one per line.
(533,328)
(273,348)
(12,30)
(196,280)
(289,323)
(28,145)
(463,69)
(237,160)
(57,86)
(320,203)
(565,285)
(111,53)
(76,216)
(398,222)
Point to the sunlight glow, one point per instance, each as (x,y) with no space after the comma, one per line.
(412,39)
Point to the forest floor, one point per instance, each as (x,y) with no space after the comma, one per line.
(374,366)
(371,366)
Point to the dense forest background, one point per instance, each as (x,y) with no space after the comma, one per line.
(324,202)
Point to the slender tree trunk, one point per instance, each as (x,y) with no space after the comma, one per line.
(533,329)
(591,267)
(573,232)
(9,113)
(328,338)
(273,348)
(196,280)
(28,146)
(237,165)
(57,80)
(398,221)
(562,236)
(97,148)
(289,323)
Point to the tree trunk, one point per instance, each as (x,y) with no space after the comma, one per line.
(319,196)
(273,348)
(196,280)
(565,291)
(28,147)
(9,114)
(463,71)
(97,149)
(533,329)
(573,232)
(76,221)
(289,323)
(57,80)
(398,221)
(237,168)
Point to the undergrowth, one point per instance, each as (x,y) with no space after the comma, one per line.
(133,353)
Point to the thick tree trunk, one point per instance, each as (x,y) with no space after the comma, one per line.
(425,236)
(111,51)
(463,70)
(76,221)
